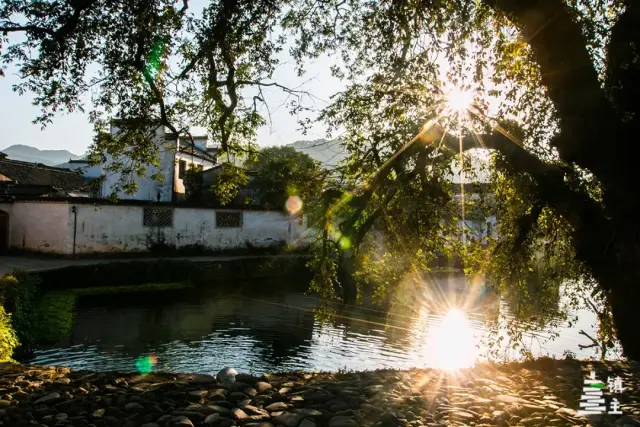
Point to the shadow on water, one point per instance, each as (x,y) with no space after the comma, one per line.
(269,325)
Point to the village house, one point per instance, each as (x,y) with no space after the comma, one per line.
(176,156)
(19,179)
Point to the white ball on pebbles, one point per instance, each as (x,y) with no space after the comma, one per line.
(227,375)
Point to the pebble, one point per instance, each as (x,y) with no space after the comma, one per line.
(288,419)
(277,406)
(262,386)
(133,407)
(226,375)
(238,414)
(212,419)
(308,412)
(342,421)
(49,397)
(181,421)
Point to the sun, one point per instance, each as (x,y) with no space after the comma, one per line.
(459,100)
(452,342)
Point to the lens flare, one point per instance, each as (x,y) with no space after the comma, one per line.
(459,100)
(145,364)
(345,243)
(293,205)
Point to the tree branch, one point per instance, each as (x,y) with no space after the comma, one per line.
(593,341)
(525,224)
(10,28)
(582,212)
(623,69)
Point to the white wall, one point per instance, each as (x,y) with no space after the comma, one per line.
(38,226)
(120,229)
(478,229)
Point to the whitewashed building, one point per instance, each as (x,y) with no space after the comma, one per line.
(176,156)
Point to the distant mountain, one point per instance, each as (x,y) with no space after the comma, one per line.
(26,153)
(328,152)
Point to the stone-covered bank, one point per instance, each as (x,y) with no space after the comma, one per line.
(541,393)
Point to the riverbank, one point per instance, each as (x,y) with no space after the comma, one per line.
(35,263)
(541,393)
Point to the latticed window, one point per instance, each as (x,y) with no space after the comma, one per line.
(228,219)
(157,217)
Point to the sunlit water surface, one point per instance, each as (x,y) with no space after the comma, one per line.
(265,330)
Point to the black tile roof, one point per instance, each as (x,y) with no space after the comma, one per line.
(26,173)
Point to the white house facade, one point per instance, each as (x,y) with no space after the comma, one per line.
(175,155)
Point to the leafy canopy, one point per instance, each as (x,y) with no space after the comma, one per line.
(279,173)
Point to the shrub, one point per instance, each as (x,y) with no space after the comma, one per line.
(18,293)
(8,338)
(55,316)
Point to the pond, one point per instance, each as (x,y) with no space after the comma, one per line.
(269,327)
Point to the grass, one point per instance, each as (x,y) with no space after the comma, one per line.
(109,290)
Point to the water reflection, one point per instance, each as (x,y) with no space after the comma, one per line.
(264,329)
(453,342)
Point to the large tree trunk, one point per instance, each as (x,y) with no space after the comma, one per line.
(613,256)
(625,306)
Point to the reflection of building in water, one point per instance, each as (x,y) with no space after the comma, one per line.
(278,325)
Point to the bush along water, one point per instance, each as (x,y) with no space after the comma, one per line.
(18,314)
(29,317)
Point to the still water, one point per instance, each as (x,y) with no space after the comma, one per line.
(263,329)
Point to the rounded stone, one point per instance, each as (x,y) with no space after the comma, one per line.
(262,386)
(226,375)
(212,419)
(277,406)
(342,421)
(49,398)
(288,419)
(181,421)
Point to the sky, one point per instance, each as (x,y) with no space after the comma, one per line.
(74,133)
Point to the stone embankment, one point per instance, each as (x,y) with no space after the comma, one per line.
(542,393)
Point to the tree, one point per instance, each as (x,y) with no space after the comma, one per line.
(563,135)
(282,172)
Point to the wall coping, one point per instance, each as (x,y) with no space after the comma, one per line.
(129,202)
